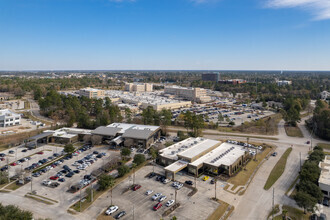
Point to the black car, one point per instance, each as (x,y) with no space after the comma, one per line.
(99,156)
(151,175)
(189,182)
(326,201)
(69,174)
(66,167)
(2,154)
(87,177)
(95,152)
(25,150)
(76,171)
(11,151)
(120,214)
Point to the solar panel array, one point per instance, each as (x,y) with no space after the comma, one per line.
(222,155)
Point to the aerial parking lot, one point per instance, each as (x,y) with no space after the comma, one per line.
(139,202)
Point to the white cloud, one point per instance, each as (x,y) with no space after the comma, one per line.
(319,8)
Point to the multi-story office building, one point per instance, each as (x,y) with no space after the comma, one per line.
(138,87)
(9,118)
(91,93)
(214,77)
(284,82)
(191,94)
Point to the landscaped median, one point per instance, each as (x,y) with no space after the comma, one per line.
(288,211)
(223,211)
(278,169)
(292,131)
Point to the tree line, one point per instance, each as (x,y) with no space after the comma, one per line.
(319,124)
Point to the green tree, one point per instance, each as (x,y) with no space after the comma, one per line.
(69,148)
(122,170)
(220,117)
(125,152)
(310,188)
(305,201)
(11,212)
(139,159)
(105,181)
(128,115)
(181,135)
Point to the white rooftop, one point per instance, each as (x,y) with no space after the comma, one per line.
(188,148)
(90,89)
(178,165)
(124,127)
(226,154)
(7,112)
(325,171)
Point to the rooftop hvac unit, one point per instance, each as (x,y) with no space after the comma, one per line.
(172,152)
(195,142)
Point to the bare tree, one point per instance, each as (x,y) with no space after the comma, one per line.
(96,139)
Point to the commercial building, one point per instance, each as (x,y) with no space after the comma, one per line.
(138,87)
(324,179)
(325,95)
(9,118)
(283,82)
(232,81)
(128,134)
(199,155)
(188,93)
(214,77)
(91,93)
(146,99)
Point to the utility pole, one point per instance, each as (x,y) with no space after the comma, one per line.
(215,190)
(8,169)
(80,201)
(300,160)
(273,205)
(31,184)
(175,196)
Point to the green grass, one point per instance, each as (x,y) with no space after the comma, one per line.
(293,131)
(13,186)
(219,212)
(39,200)
(244,175)
(278,169)
(293,213)
(292,185)
(324,146)
(43,197)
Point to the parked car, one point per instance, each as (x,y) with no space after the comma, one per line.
(166,181)
(151,175)
(61,179)
(11,152)
(274,154)
(136,187)
(157,206)
(111,210)
(149,192)
(326,201)
(156,196)
(120,214)
(323,217)
(169,203)
(189,182)
(40,152)
(53,177)
(206,178)
(24,150)
(162,198)
(213,181)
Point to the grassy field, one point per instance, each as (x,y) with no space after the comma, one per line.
(219,212)
(264,126)
(243,176)
(293,213)
(13,186)
(293,131)
(278,169)
(324,146)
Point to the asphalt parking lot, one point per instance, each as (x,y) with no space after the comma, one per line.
(60,193)
(199,206)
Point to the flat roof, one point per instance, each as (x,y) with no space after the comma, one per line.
(42,135)
(325,171)
(226,154)
(125,126)
(7,112)
(176,166)
(189,147)
(198,147)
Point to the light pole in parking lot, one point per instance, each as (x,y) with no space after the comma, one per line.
(175,196)
(215,190)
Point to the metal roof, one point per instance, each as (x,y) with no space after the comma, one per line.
(42,135)
(106,131)
(138,134)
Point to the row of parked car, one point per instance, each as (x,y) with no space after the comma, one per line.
(244,144)
(112,209)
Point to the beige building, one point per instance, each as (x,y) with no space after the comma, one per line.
(324,179)
(138,87)
(91,93)
(191,94)
(200,155)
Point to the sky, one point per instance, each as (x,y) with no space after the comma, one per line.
(164,35)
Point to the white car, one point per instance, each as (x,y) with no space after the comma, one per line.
(156,196)
(166,181)
(162,198)
(111,210)
(149,192)
(46,182)
(175,184)
(169,203)
(179,186)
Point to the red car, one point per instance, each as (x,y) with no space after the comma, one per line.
(40,152)
(13,164)
(2,159)
(136,187)
(53,177)
(157,206)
